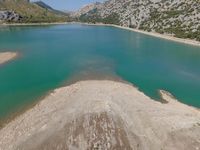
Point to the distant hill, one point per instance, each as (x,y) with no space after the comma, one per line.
(45,6)
(29,12)
(85,9)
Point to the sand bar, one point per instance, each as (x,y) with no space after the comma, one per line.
(6,56)
(103,115)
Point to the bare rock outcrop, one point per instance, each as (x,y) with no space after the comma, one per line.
(9,16)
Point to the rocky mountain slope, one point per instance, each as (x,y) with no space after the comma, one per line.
(85,9)
(26,12)
(180,18)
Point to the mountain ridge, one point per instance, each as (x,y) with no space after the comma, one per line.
(46,6)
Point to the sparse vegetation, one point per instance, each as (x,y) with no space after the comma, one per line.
(93,17)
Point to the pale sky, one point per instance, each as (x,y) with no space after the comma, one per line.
(68,4)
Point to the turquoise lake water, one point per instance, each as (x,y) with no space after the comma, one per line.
(50,56)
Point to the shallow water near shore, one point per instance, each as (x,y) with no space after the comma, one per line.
(53,55)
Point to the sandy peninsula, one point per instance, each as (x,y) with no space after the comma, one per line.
(104,115)
(7,56)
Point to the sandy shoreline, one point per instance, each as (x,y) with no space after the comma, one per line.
(103,114)
(167,37)
(7,56)
(154,34)
(158,35)
(34,24)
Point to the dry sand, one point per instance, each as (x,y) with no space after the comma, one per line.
(103,115)
(6,56)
